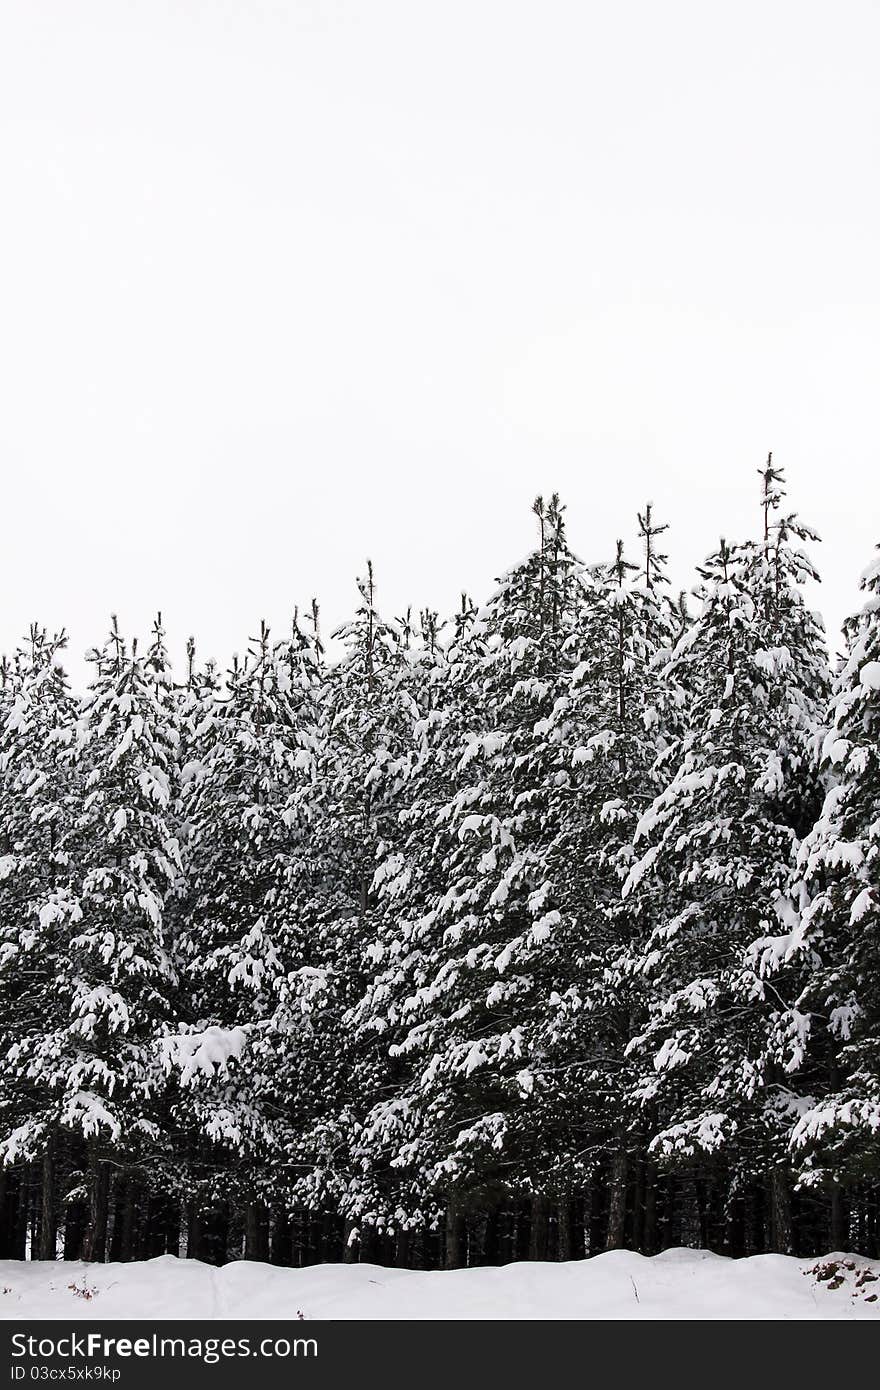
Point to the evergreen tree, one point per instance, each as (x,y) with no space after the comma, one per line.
(718,846)
(464,977)
(614,722)
(38,798)
(94,1062)
(836,936)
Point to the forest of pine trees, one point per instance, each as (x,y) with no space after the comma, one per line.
(549,928)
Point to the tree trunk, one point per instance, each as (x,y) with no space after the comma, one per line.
(750,1223)
(637,1241)
(367,1254)
(616,1228)
(401,1250)
(522,1228)
(22,1208)
(329,1238)
(539,1234)
(172,1226)
(781,1223)
(489,1251)
(454,1234)
(256,1235)
(837,1222)
(193,1232)
(74,1229)
(49,1218)
(117,1217)
(689,1219)
(349,1243)
(565,1229)
(126,1234)
(281,1251)
(649,1222)
(4,1215)
(214,1234)
(35,1185)
(95,1238)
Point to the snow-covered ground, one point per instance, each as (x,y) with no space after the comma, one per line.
(676,1284)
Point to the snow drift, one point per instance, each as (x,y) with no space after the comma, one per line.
(674,1285)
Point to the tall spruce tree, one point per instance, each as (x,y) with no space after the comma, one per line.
(96,1060)
(614,722)
(718,846)
(466,976)
(38,799)
(836,935)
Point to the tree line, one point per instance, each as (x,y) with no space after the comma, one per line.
(549,928)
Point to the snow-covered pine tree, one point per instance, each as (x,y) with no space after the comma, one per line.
(836,936)
(242,927)
(614,722)
(717,849)
(38,796)
(407,879)
(93,1063)
(367,710)
(462,979)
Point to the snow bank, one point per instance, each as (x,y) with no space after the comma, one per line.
(620,1284)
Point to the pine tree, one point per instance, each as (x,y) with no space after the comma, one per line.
(240,927)
(366,713)
(836,936)
(38,799)
(462,975)
(615,722)
(93,1063)
(718,846)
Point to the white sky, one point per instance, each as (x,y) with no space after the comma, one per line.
(286,284)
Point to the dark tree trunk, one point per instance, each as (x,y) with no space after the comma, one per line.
(750,1222)
(649,1221)
(215,1234)
(193,1232)
(616,1228)
(49,1217)
(523,1232)
(540,1229)
(298,1240)
(117,1216)
(95,1238)
(565,1230)
(454,1236)
(688,1211)
(281,1249)
(256,1235)
(401,1250)
(22,1210)
(637,1241)
(489,1254)
(838,1235)
(74,1230)
(127,1223)
(154,1228)
(368,1254)
(781,1223)
(172,1226)
(349,1244)
(330,1246)
(589,1204)
(734,1241)
(4,1215)
(35,1185)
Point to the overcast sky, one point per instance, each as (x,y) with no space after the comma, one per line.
(283,285)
